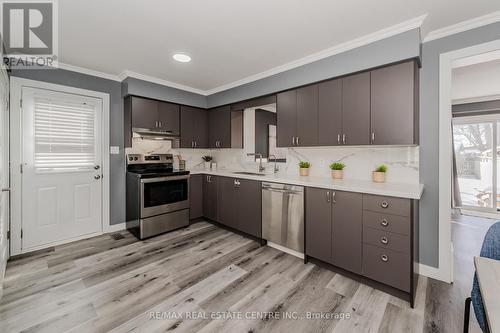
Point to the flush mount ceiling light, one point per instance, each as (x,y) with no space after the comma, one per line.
(181,57)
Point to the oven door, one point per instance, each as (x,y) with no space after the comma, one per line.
(164,195)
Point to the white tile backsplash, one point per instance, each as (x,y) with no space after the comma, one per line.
(402,161)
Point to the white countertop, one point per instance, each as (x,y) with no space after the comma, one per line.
(488,276)
(400,190)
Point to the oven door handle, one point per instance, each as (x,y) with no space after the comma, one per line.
(162,179)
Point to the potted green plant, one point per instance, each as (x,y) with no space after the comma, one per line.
(304,168)
(378,175)
(208,161)
(337,170)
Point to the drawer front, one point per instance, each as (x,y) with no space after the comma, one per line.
(388,267)
(387,222)
(387,205)
(386,240)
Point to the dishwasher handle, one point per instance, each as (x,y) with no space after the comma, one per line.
(280,190)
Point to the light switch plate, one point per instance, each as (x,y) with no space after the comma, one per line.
(114,150)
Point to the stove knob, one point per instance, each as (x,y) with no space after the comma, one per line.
(130,158)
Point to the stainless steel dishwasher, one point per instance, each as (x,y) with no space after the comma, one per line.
(283,215)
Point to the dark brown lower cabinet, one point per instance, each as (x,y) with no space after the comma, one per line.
(373,236)
(195,196)
(347,222)
(210,189)
(240,205)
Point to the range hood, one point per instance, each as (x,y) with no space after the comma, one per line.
(149,134)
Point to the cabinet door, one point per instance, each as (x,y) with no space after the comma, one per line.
(286,109)
(210,197)
(330,113)
(307,116)
(219,127)
(195,196)
(249,195)
(228,202)
(144,113)
(168,117)
(319,224)
(201,128)
(392,104)
(347,221)
(356,109)
(188,130)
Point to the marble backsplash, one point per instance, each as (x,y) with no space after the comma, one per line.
(402,161)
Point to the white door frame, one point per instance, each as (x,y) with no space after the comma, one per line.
(16,86)
(446,60)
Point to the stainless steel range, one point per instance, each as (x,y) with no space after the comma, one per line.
(157,195)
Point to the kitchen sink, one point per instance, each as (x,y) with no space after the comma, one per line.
(249,173)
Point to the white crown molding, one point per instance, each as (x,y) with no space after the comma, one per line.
(159,81)
(463,26)
(352,44)
(88,71)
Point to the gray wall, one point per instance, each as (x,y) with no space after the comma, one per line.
(396,48)
(429,131)
(113,88)
(132,86)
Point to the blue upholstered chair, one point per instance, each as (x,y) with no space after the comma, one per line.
(490,249)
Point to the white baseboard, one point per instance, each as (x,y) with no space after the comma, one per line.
(286,250)
(432,272)
(114,228)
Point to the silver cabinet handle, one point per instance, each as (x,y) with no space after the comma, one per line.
(384,204)
(327,196)
(333,197)
(237,183)
(192,144)
(195,144)
(343,139)
(338,139)
(156,124)
(160,124)
(297,140)
(373,137)
(293,141)
(384,240)
(384,223)
(96,177)
(384,258)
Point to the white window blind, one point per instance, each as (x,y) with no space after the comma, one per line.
(64,135)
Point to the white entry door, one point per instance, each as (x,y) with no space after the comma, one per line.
(61,167)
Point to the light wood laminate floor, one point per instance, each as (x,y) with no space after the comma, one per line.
(190,280)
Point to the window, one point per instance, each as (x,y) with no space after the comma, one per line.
(64,135)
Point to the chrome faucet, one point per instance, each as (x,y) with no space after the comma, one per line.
(276,169)
(261,167)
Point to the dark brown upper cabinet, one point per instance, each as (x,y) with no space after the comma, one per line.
(225,128)
(219,127)
(393,105)
(356,109)
(194,127)
(330,113)
(298,117)
(286,109)
(151,115)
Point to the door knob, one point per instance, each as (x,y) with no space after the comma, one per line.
(97,167)
(96,177)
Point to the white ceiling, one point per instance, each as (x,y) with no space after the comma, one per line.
(230,40)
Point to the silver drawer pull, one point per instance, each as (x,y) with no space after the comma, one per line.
(384,223)
(384,240)
(384,258)
(384,204)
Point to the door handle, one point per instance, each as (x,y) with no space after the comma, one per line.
(160,124)
(97,167)
(97,177)
(338,139)
(7,189)
(297,141)
(293,141)
(373,137)
(343,139)
(327,196)
(333,198)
